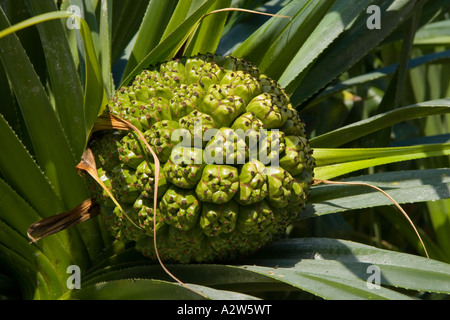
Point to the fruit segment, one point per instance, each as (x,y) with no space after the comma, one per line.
(235,164)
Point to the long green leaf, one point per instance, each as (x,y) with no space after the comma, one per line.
(439,212)
(53,151)
(147,289)
(124,28)
(442,56)
(224,276)
(180,13)
(209,32)
(21,172)
(340,262)
(336,285)
(340,15)
(404,186)
(95,98)
(329,268)
(171,44)
(295,35)
(66,86)
(337,162)
(59,251)
(94,94)
(105,46)
(254,47)
(355,42)
(25,274)
(11,204)
(54,155)
(433,34)
(240,26)
(151,31)
(361,128)
(9,108)
(325,156)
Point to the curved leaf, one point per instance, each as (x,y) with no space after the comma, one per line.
(122,27)
(25,255)
(20,170)
(351,46)
(329,268)
(170,45)
(383,72)
(404,186)
(240,26)
(53,254)
(151,30)
(25,274)
(20,72)
(340,15)
(147,289)
(105,46)
(286,46)
(332,163)
(336,285)
(209,32)
(63,76)
(180,13)
(433,34)
(95,97)
(345,262)
(275,33)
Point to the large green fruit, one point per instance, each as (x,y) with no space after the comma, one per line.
(236,167)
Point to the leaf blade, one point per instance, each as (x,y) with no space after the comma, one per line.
(209,32)
(358,129)
(404,186)
(352,44)
(20,171)
(337,162)
(170,45)
(53,151)
(63,76)
(150,32)
(326,257)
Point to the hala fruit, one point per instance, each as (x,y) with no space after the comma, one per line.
(226,187)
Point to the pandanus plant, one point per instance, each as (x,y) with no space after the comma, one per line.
(213,147)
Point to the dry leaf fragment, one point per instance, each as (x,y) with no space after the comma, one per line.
(48,226)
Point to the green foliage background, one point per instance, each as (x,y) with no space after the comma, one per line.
(375,101)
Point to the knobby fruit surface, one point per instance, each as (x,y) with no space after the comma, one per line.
(236,166)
